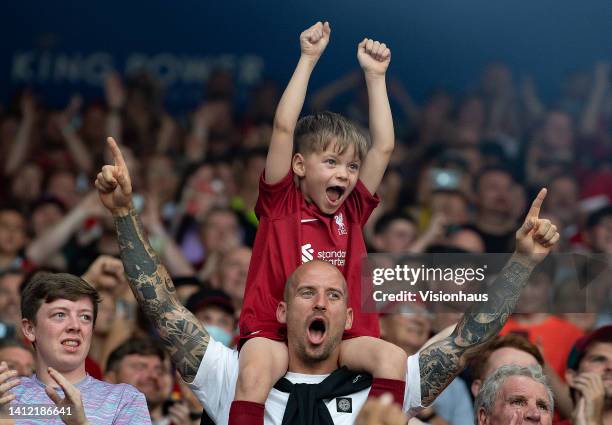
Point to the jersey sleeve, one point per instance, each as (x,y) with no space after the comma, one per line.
(412,395)
(361,203)
(132,409)
(215,382)
(276,199)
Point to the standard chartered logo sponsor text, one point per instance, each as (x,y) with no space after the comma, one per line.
(337,258)
(307,252)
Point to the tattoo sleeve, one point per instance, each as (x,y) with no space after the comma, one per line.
(440,362)
(182,334)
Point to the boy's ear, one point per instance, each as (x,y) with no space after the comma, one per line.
(281,312)
(27,328)
(297,164)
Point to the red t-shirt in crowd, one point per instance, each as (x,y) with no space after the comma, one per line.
(554,336)
(291,232)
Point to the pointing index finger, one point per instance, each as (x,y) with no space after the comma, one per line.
(117,155)
(534,211)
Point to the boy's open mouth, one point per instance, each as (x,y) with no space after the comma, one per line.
(316,331)
(335,192)
(71,345)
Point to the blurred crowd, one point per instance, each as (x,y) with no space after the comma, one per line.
(464,167)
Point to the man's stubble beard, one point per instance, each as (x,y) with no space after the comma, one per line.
(328,347)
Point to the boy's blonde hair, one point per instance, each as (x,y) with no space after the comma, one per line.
(314,133)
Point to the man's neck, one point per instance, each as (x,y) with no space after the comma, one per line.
(324,367)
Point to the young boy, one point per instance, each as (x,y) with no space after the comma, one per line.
(313,205)
(59,312)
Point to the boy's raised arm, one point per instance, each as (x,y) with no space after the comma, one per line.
(182,334)
(374,58)
(312,44)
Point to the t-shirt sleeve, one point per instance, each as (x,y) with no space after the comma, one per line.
(215,381)
(276,199)
(412,395)
(132,409)
(361,203)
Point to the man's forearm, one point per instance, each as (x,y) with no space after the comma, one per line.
(441,362)
(182,334)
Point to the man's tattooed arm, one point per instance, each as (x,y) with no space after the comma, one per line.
(442,361)
(182,334)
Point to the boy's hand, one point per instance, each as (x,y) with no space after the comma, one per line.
(8,380)
(72,399)
(314,40)
(373,56)
(114,184)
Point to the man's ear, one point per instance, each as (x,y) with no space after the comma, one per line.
(349,319)
(281,312)
(298,165)
(27,328)
(475,387)
(482,417)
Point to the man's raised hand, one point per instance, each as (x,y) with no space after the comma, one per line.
(536,237)
(314,40)
(374,57)
(114,184)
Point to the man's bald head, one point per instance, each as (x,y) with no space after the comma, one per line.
(302,270)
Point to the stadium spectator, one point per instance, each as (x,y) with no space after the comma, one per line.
(514,395)
(59,313)
(589,375)
(143,363)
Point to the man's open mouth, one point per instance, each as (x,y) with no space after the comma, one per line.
(316,331)
(334,193)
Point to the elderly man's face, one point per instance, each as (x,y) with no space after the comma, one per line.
(520,400)
(316,312)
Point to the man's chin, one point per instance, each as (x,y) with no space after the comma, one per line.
(315,354)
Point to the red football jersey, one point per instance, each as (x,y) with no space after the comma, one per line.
(291,232)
